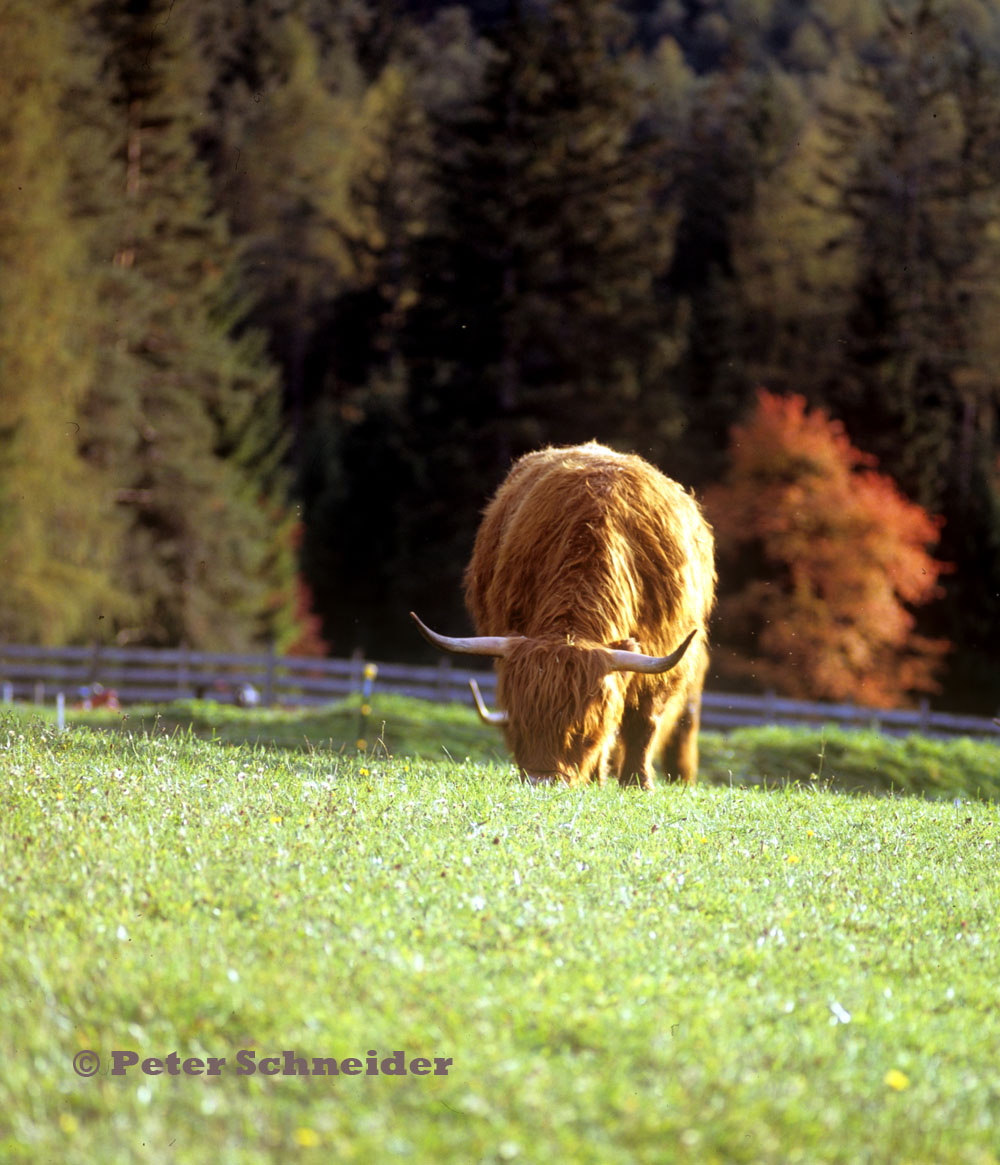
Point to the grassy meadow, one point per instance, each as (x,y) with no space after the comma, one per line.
(762,968)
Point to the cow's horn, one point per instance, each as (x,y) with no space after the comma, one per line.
(485,714)
(495,645)
(649,664)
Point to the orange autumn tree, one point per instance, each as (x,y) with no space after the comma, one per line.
(821,561)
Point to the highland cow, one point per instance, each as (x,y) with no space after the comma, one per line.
(591,583)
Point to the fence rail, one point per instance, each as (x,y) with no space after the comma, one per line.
(148,675)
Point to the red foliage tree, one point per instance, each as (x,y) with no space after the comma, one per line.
(295,628)
(821,560)
(310,643)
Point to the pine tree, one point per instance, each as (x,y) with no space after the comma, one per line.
(297,153)
(184,412)
(534,317)
(916,169)
(918,121)
(57,527)
(539,312)
(513,303)
(742,122)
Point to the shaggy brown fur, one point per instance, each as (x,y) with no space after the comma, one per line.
(583,548)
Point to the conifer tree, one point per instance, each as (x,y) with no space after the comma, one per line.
(57,525)
(297,152)
(740,126)
(534,316)
(919,122)
(539,311)
(184,412)
(325,189)
(916,168)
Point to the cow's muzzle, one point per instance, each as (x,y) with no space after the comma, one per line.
(540,778)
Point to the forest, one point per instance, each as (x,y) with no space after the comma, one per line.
(286,285)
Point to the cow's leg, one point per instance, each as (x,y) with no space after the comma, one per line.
(594,766)
(634,753)
(605,763)
(679,756)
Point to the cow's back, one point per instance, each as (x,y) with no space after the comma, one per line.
(586,542)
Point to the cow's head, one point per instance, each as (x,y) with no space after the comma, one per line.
(561,701)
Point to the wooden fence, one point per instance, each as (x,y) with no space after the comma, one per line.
(147,675)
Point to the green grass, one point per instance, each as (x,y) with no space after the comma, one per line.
(713,974)
(855,762)
(850,761)
(395,725)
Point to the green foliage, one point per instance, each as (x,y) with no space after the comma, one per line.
(527,315)
(183,413)
(140,438)
(550,241)
(869,268)
(56,527)
(916,123)
(609,973)
(384,250)
(295,151)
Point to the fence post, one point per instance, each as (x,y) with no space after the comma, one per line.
(269,672)
(182,669)
(61,711)
(8,692)
(443,682)
(356,674)
(39,692)
(925,715)
(94,672)
(370,672)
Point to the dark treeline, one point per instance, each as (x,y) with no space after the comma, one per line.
(287,284)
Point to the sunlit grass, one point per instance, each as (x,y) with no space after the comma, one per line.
(716,974)
(840,759)
(395,725)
